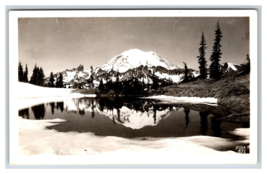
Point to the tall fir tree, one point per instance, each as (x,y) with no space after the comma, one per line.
(20,72)
(90,81)
(51,80)
(201,58)
(247,66)
(117,77)
(117,83)
(41,77)
(25,74)
(33,79)
(92,76)
(101,85)
(37,76)
(216,54)
(59,82)
(185,73)
(155,84)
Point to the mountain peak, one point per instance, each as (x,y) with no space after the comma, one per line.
(134,58)
(80,68)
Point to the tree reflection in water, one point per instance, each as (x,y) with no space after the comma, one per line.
(39,111)
(60,106)
(204,126)
(24,113)
(93,107)
(216,127)
(52,105)
(134,117)
(186,111)
(155,108)
(81,112)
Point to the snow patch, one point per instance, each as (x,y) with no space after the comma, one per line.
(54,144)
(172,99)
(33,95)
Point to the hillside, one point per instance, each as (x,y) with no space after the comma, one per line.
(232,92)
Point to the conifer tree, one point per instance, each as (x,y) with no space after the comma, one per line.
(155,84)
(37,76)
(101,85)
(51,80)
(33,79)
(216,54)
(41,77)
(90,81)
(59,82)
(25,74)
(92,76)
(117,77)
(20,72)
(117,83)
(201,58)
(185,73)
(247,66)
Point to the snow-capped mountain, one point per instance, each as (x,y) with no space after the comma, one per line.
(133,64)
(135,58)
(142,65)
(72,77)
(227,67)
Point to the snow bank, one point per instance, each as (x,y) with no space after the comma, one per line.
(242,132)
(112,150)
(171,99)
(27,90)
(30,95)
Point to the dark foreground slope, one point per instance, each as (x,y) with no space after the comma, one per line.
(232,92)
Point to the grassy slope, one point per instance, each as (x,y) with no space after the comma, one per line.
(232,92)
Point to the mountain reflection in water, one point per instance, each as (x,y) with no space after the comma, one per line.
(125,117)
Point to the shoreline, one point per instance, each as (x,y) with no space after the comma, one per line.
(173,146)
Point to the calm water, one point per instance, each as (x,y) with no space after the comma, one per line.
(134,118)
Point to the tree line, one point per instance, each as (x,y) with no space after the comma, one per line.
(38,77)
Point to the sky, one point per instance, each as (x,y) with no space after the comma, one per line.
(56,44)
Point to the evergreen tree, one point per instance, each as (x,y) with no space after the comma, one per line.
(20,72)
(51,80)
(41,77)
(118,85)
(37,76)
(216,54)
(117,77)
(25,74)
(59,82)
(101,85)
(92,76)
(155,84)
(185,73)
(90,81)
(248,64)
(201,58)
(33,79)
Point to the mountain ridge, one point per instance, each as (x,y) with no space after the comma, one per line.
(130,64)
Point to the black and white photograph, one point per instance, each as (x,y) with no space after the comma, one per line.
(133,87)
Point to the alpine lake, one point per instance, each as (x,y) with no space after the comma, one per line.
(135,118)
